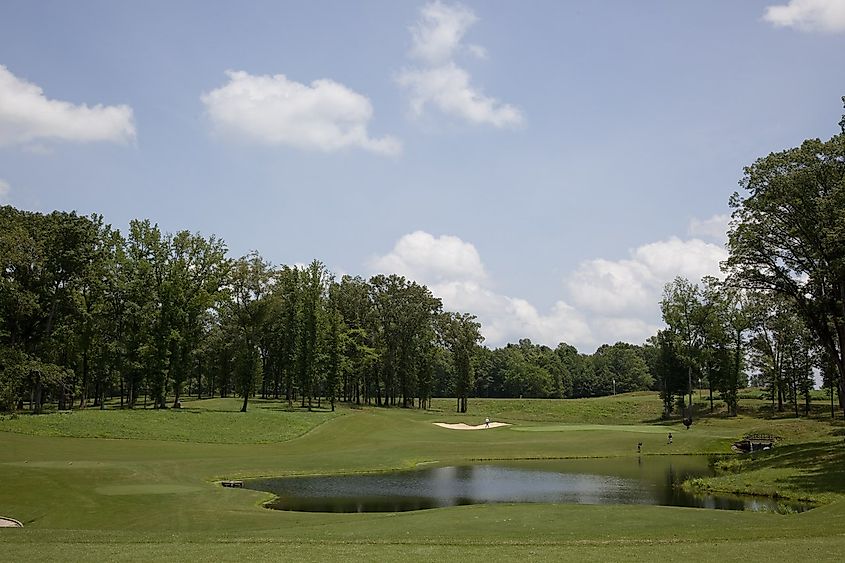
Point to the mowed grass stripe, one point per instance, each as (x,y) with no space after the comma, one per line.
(640,428)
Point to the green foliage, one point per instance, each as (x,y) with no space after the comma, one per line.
(669,369)
(707,327)
(529,370)
(788,237)
(462,336)
(783,352)
(621,368)
(403,328)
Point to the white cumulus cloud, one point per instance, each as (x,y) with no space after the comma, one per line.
(275,110)
(616,289)
(439,81)
(715,228)
(691,258)
(454,271)
(5,188)
(28,116)
(808,15)
(422,256)
(607,286)
(438,33)
(604,301)
(448,88)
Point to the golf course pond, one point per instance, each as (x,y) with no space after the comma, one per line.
(645,480)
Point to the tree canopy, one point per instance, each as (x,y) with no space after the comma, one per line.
(787,237)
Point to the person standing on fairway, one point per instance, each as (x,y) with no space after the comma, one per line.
(670,437)
(487,422)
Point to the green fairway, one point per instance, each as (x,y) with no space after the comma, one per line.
(153,492)
(640,428)
(210,420)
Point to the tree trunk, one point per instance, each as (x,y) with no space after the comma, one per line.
(840,359)
(773,398)
(84,399)
(841,389)
(710,384)
(689,383)
(263,377)
(98,392)
(735,376)
(199,378)
(840,364)
(36,399)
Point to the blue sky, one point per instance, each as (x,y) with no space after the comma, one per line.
(547,166)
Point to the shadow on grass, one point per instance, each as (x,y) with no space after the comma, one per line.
(296,408)
(820,465)
(826,475)
(700,410)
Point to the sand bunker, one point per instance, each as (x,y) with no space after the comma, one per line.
(9,523)
(462,426)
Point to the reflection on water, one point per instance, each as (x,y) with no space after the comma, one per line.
(605,481)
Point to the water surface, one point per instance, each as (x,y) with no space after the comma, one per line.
(645,480)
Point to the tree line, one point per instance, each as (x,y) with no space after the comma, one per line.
(89,313)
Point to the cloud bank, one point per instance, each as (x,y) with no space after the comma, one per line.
(28,116)
(438,81)
(809,15)
(453,270)
(5,188)
(274,110)
(603,301)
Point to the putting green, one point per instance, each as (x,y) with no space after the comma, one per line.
(641,428)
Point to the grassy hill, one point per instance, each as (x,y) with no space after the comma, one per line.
(121,485)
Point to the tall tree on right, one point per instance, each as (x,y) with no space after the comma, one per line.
(787,237)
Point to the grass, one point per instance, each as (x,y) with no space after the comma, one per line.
(215,421)
(808,471)
(150,492)
(631,408)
